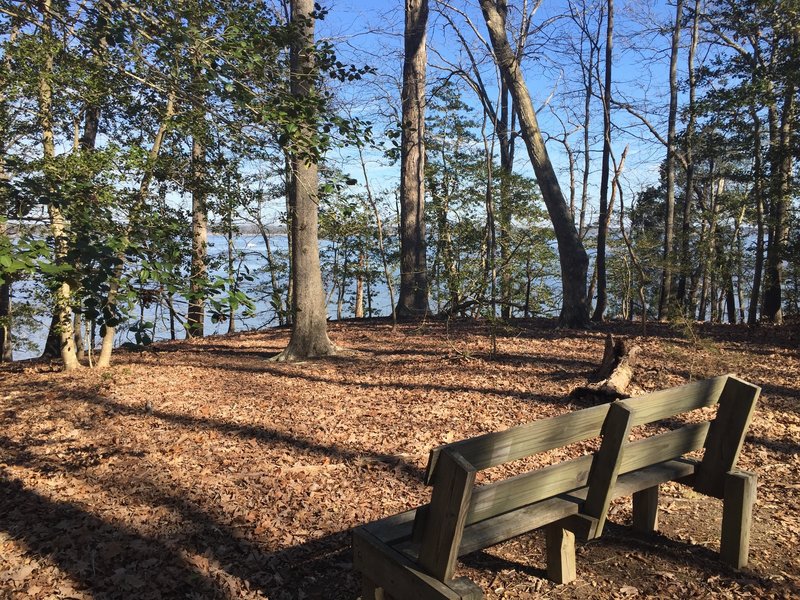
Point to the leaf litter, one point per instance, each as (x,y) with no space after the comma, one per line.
(197,469)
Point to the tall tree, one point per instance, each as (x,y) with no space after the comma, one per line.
(685,258)
(669,220)
(413,297)
(604,217)
(309,323)
(572,255)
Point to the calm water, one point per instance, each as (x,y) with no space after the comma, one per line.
(251,252)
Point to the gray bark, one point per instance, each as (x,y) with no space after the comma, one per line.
(413,297)
(309,325)
(572,255)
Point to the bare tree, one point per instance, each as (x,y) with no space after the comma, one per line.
(572,255)
(669,220)
(605,216)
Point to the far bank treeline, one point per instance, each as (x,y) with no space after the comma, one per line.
(129,133)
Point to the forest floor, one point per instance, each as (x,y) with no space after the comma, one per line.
(245,476)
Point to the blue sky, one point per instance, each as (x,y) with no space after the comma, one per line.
(371,33)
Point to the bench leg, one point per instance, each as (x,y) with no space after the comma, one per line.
(560,554)
(370,591)
(737,516)
(645,510)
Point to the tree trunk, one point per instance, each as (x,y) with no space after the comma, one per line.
(572,255)
(108,331)
(358,309)
(195,318)
(379,226)
(781,159)
(6,349)
(602,231)
(504,208)
(685,258)
(309,326)
(613,377)
(758,197)
(669,220)
(58,225)
(413,298)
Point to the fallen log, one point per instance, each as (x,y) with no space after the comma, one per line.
(612,379)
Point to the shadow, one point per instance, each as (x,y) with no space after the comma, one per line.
(488,562)
(287,370)
(624,541)
(262,434)
(788,447)
(106,560)
(196,561)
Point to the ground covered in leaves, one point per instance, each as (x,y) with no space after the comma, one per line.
(202,470)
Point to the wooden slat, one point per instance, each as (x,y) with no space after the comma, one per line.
(397,574)
(509,525)
(726,435)
(672,470)
(606,464)
(507,495)
(667,403)
(492,449)
(450,499)
(395,528)
(664,446)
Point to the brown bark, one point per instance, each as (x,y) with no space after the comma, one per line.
(413,297)
(309,326)
(358,311)
(572,255)
(6,352)
(613,377)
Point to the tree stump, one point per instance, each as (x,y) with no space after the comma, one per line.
(613,377)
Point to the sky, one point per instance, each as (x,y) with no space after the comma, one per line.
(371,33)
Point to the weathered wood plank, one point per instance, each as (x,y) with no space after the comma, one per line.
(667,403)
(492,449)
(606,464)
(393,529)
(560,554)
(737,517)
(509,525)
(441,538)
(398,575)
(726,435)
(503,496)
(645,510)
(664,446)
(642,479)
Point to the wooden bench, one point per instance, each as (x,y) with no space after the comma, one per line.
(412,555)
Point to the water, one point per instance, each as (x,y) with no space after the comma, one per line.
(251,256)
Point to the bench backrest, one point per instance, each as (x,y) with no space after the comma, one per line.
(456,502)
